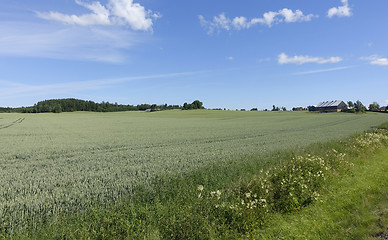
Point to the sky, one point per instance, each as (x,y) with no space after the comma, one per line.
(227,54)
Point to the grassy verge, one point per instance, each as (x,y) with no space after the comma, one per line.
(354,206)
(249,198)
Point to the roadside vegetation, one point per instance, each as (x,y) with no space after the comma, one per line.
(353,205)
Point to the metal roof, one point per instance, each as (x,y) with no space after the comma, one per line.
(335,103)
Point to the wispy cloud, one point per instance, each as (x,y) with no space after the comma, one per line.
(11,84)
(71,43)
(106,34)
(341,11)
(284,59)
(376,60)
(116,12)
(221,22)
(15,90)
(323,70)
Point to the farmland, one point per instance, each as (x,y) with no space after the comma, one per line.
(53,164)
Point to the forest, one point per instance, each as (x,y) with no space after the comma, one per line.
(73,105)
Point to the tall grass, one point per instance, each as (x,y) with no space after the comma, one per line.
(353,206)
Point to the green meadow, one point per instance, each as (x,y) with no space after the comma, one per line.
(59,167)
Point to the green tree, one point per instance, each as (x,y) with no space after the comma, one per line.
(359,107)
(374,106)
(194,105)
(57,108)
(274,108)
(350,105)
(197,104)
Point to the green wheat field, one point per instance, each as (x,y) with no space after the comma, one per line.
(59,164)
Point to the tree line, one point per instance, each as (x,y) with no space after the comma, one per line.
(358,107)
(72,105)
(351,107)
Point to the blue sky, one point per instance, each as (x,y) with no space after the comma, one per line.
(228,54)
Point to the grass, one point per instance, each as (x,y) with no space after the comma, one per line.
(118,168)
(353,207)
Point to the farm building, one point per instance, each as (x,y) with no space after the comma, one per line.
(329,106)
(383,109)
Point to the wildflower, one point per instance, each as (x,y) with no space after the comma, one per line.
(218,194)
(248,195)
(200,188)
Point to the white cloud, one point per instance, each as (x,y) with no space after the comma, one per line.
(284,59)
(380,62)
(127,12)
(221,22)
(117,12)
(376,60)
(230,58)
(297,16)
(239,23)
(108,37)
(341,11)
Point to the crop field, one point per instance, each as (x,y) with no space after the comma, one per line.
(53,164)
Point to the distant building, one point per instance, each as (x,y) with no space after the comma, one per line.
(329,106)
(152,110)
(383,109)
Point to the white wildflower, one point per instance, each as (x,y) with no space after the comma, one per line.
(218,194)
